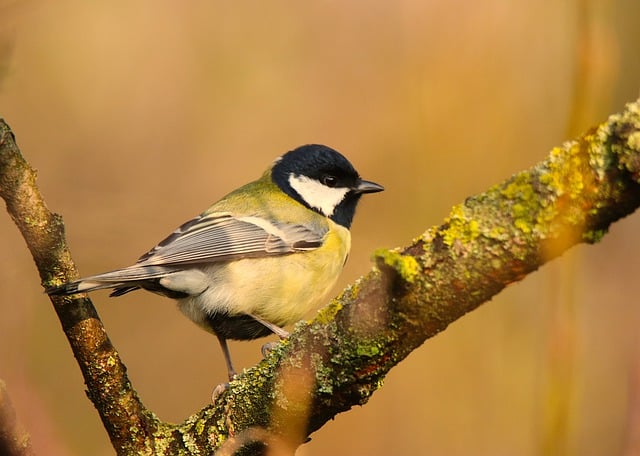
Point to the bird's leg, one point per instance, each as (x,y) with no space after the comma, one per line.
(217,391)
(281,333)
(222,387)
(227,357)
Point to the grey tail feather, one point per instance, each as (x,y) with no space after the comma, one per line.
(72,288)
(62,290)
(119,291)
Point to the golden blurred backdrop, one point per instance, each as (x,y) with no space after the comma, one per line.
(139,114)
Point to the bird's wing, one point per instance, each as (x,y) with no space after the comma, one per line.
(205,239)
(222,237)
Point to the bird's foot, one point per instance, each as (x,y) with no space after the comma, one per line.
(268,348)
(218,390)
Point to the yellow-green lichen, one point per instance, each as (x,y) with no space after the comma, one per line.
(461,228)
(498,233)
(189,443)
(593,236)
(327,314)
(325,376)
(524,201)
(367,349)
(200,426)
(523,225)
(519,188)
(634,140)
(405,265)
(426,237)
(563,175)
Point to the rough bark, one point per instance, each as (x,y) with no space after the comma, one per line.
(340,358)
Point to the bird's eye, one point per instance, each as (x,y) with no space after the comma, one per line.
(329,181)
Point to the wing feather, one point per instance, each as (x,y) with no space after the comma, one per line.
(222,237)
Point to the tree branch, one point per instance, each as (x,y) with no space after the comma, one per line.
(341,357)
(123,415)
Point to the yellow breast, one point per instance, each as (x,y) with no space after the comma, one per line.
(283,289)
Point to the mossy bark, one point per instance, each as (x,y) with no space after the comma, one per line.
(339,359)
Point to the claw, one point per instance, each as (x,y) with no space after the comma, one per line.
(218,390)
(268,348)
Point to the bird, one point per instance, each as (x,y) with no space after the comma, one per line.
(259,258)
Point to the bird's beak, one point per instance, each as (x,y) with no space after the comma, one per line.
(368,187)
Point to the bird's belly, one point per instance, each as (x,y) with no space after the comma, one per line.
(279,289)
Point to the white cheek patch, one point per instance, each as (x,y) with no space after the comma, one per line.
(317,195)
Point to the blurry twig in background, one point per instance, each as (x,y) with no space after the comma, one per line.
(632,444)
(558,388)
(595,68)
(340,359)
(6,51)
(14,441)
(6,48)
(596,63)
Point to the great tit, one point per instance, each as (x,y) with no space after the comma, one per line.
(258,259)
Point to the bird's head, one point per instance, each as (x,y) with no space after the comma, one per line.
(323,180)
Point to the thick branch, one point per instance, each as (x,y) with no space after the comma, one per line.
(340,358)
(124,417)
(491,240)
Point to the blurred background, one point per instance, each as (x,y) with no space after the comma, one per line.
(140,114)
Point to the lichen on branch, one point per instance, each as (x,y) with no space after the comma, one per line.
(340,358)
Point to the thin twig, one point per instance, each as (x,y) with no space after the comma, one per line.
(14,440)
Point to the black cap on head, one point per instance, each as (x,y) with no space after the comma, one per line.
(301,172)
(314,161)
